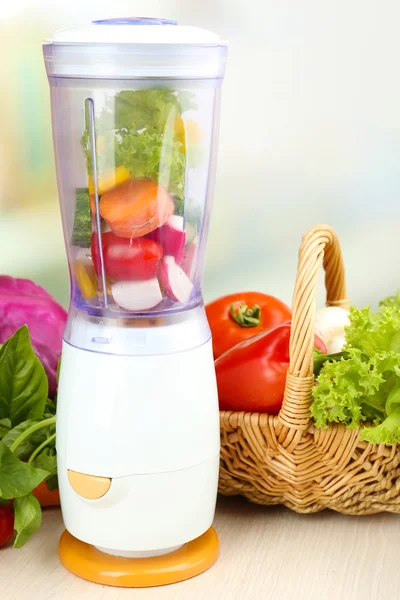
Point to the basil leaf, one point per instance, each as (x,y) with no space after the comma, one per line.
(23,381)
(27,446)
(27,519)
(49,408)
(47,460)
(52,483)
(16,477)
(5,426)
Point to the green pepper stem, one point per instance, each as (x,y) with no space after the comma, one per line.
(40,448)
(245,316)
(25,434)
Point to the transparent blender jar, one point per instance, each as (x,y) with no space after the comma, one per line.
(135,116)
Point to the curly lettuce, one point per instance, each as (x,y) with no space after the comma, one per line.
(358,389)
(391,300)
(143,131)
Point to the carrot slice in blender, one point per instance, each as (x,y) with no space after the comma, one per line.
(136,207)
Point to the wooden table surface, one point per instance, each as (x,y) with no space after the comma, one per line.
(266,553)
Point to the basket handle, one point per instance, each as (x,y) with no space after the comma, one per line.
(319,247)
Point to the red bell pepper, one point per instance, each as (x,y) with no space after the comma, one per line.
(251,376)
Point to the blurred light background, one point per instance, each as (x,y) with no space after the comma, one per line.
(310,133)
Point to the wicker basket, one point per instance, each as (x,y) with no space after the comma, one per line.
(285,459)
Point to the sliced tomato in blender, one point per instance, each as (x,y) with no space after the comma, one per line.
(126,259)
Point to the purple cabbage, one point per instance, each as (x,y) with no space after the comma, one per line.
(22,302)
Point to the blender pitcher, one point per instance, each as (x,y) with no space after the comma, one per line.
(135,112)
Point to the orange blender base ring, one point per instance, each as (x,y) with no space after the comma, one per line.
(87,562)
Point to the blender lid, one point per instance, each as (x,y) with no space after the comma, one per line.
(135,47)
(135,30)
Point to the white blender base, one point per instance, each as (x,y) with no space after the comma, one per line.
(151,425)
(144,513)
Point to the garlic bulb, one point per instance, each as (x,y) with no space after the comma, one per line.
(329,326)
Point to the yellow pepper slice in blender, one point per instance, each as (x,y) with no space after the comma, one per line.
(86,278)
(109,178)
(188,131)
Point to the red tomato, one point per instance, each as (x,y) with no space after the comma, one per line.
(6,524)
(127,259)
(251,376)
(237,317)
(45,496)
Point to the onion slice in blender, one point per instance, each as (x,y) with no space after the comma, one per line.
(173,280)
(137,295)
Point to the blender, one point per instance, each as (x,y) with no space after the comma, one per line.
(135,113)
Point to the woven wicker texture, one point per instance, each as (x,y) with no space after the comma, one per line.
(285,459)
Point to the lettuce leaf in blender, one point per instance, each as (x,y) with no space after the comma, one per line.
(143,131)
(82,227)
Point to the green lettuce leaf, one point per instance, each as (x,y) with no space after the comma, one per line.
(137,130)
(388,432)
(342,385)
(371,332)
(391,300)
(359,388)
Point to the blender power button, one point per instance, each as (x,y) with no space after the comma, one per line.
(91,487)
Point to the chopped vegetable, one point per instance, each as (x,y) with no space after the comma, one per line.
(330,323)
(23,302)
(188,131)
(136,207)
(172,238)
(126,259)
(251,376)
(6,524)
(173,280)
(85,277)
(137,295)
(82,228)
(141,130)
(362,386)
(238,317)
